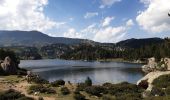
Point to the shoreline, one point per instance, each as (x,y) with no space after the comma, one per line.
(98,60)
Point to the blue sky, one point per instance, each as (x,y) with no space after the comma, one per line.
(98,20)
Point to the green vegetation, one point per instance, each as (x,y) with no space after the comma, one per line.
(128,50)
(88,81)
(78,96)
(162,81)
(13,95)
(11,54)
(119,91)
(57,83)
(41,89)
(65,91)
(36,79)
(161,88)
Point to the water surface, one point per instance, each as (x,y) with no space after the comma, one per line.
(77,71)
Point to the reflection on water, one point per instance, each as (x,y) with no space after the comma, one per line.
(77,71)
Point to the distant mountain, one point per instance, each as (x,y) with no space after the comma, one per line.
(35,38)
(137,43)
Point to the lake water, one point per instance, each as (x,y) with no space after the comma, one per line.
(78,71)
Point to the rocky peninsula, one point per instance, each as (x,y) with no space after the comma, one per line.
(154,70)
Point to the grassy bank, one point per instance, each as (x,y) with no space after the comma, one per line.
(61,90)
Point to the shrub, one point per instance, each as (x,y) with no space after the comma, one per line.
(57,83)
(107,97)
(123,88)
(38,80)
(143,84)
(157,91)
(25,98)
(95,90)
(81,87)
(41,89)
(65,91)
(78,96)
(13,95)
(129,96)
(88,81)
(167,90)
(162,81)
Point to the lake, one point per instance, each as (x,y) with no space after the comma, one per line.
(78,71)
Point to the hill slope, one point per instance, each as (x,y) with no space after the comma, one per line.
(137,43)
(34,38)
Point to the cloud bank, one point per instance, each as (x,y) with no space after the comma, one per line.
(155,17)
(25,15)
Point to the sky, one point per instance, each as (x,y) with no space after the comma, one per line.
(99,20)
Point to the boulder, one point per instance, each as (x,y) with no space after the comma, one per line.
(8,66)
(151,66)
(167,62)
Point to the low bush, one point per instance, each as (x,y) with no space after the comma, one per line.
(78,96)
(13,95)
(123,88)
(37,80)
(41,89)
(162,81)
(95,90)
(88,81)
(129,96)
(65,91)
(107,97)
(81,87)
(167,90)
(143,84)
(157,92)
(57,83)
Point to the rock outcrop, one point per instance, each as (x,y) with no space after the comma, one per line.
(151,66)
(150,77)
(163,65)
(8,66)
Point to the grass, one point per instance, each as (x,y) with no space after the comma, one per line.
(162,81)
(13,78)
(121,91)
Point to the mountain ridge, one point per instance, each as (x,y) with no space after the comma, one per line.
(36,38)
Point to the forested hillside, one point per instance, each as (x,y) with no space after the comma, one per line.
(126,50)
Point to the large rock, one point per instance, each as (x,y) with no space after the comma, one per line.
(8,66)
(167,62)
(151,66)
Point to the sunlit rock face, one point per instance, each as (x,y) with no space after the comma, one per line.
(167,62)
(8,66)
(151,66)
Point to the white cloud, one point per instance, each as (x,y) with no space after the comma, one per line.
(90,14)
(110,34)
(108,3)
(72,33)
(155,17)
(129,23)
(107,21)
(90,29)
(25,15)
(101,34)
